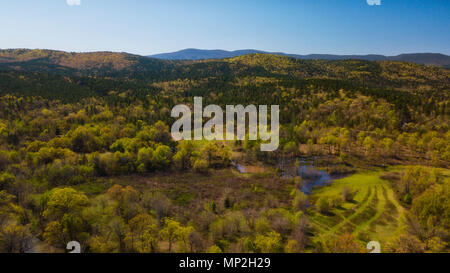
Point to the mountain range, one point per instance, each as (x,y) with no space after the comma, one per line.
(202,54)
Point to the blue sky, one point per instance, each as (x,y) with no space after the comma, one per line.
(291,26)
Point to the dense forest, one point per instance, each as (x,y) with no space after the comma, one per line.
(86,155)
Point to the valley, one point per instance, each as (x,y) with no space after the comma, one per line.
(86,155)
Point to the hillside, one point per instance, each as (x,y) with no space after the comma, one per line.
(385,74)
(104,63)
(80,61)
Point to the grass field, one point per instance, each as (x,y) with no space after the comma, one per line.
(373,215)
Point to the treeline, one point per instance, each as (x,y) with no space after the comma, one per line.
(426,191)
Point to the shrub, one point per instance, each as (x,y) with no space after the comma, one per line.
(335,201)
(323,205)
(214,249)
(348,194)
(269,243)
(300,201)
(200,165)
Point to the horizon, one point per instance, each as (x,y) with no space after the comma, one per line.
(295,27)
(218,49)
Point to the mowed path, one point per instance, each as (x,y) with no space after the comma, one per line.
(374,214)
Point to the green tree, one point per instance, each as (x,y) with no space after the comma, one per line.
(15,238)
(171,232)
(269,243)
(162,157)
(143,234)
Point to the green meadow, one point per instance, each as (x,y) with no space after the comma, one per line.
(374,214)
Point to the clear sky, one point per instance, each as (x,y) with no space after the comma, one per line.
(292,26)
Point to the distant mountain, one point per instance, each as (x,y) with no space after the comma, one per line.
(72,76)
(424,58)
(201,54)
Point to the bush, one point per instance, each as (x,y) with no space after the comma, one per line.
(406,244)
(335,201)
(345,243)
(214,249)
(6,180)
(201,166)
(292,246)
(348,194)
(300,201)
(323,205)
(144,159)
(162,156)
(269,243)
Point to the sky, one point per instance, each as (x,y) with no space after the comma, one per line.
(148,27)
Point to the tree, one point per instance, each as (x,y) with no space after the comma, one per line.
(124,145)
(209,151)
(55,235)
(7,180)
(143,234)
(387,145)
(196,242)
(84,140)
(262,225)
(369,144)
(127,201)
(61,201)
(162,156)
(300,201)
(172,232)
(117,230)
(300,233)
(214,249)
(185,236)
(347,194)
(292,246)
(432,208)
(144,159)
(6,208)
(63,206)
(160,133)
(183,155)
(345,243)
(436,245)
(290,148)
(406,243)
(268,243)
(200,165)
(158,203)
(323,205)
(15,238)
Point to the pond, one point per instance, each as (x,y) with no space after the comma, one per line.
(305,169)
(312,177)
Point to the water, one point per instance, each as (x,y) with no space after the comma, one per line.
(240,168)
(313,178)
(305,169)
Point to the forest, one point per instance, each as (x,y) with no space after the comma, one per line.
(86,155)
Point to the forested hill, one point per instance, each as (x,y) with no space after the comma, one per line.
(123,65)
(92,63)
(252,78)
